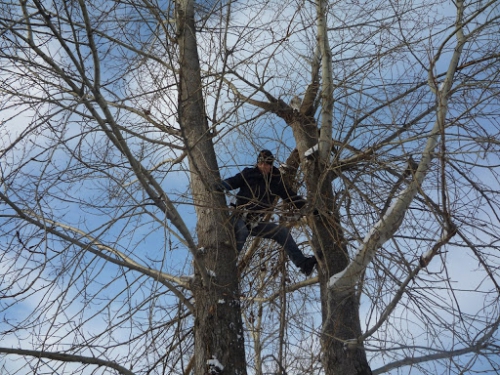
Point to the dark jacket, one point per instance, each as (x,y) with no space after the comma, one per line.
(258,191)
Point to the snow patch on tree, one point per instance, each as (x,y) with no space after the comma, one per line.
(311,151)
(335,277)
(211,273)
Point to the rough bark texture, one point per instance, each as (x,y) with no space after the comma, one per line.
(340,309)
(219,344)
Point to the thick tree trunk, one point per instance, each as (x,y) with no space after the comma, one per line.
(219,344)
(340,309)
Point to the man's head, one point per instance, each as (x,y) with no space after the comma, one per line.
(265,161)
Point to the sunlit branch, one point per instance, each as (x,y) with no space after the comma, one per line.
(327,99)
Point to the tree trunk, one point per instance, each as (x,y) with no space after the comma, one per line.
(340,309)
(219,344)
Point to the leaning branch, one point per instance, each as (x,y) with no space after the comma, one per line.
(390,222)
(427,358)
(105,252)
(424,260)
(67,358)
(289,289)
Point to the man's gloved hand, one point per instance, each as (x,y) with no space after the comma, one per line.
(308,210)
(220,186)
(292,215)
(297,215)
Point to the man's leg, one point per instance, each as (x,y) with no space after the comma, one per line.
(241,231)
(282,236)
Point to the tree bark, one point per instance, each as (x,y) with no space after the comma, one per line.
(219,344)
(340,309)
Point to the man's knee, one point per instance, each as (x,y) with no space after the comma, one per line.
(284,231)
(283,235)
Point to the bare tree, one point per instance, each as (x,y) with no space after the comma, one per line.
(62,69)
(393,166)
(116,252)
(218,326)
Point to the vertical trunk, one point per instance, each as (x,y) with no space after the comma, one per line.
(219,345)
(325,135)
(340,310)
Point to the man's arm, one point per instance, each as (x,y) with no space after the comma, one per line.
(230,183)
(289,195)
(293,198)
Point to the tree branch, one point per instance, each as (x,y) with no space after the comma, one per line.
(98,249)
(67,358)
(385,228)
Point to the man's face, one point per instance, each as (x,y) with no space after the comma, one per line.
(265,168)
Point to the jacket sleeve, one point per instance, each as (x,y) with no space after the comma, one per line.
(293,198)
(230,183)
(289,195)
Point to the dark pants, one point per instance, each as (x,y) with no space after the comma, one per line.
(267,230)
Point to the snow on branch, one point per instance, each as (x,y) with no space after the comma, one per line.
(214,366)
(311,151)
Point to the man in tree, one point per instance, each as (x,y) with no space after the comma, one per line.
(259,186)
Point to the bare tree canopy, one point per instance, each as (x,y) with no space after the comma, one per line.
(118,118)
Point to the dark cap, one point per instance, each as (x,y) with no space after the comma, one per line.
(265,156)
